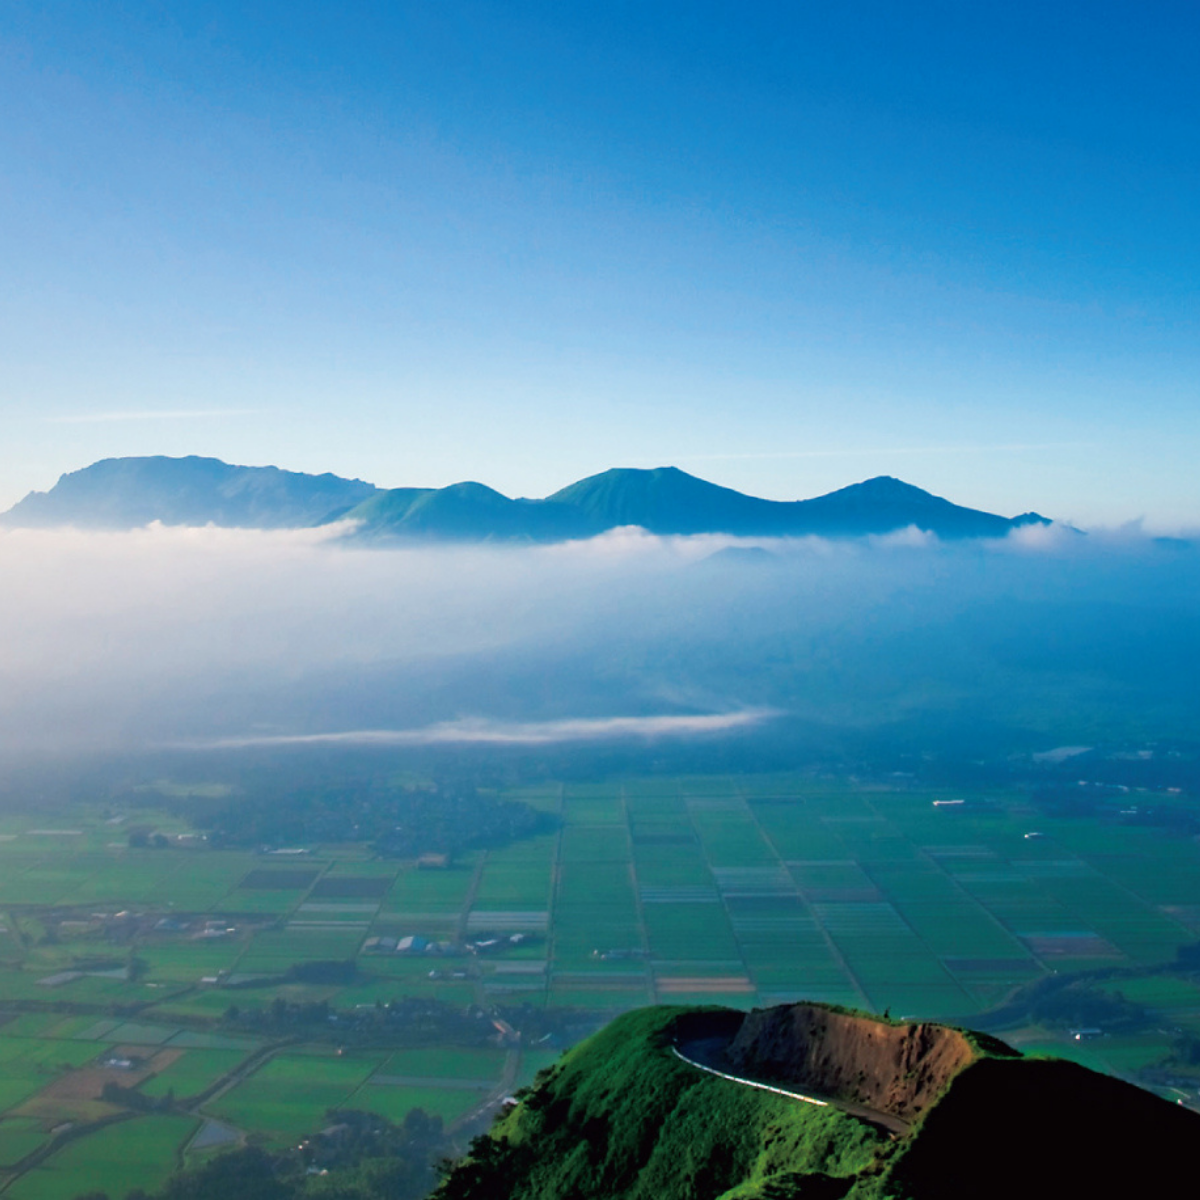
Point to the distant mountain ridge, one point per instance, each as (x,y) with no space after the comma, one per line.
(124,493)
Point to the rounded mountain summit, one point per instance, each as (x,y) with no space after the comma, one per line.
(125,493)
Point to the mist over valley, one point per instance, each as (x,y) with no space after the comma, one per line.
(599,602)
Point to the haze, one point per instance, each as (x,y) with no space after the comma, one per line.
(217,637)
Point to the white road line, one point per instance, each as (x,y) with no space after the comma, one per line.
(765,1087)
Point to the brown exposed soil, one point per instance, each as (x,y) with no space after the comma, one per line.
(896,1069)
(76,1095)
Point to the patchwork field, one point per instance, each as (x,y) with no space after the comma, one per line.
(120,964)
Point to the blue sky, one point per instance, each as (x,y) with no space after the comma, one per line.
(784,247)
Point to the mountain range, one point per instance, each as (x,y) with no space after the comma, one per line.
(126,493)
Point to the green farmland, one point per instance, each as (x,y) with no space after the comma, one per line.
(144,967)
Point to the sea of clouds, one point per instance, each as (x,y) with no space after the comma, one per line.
(224,637)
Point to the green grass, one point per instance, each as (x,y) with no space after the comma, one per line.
(395,1103)
(290,1094)
(20,1136)
(965,887)
(189,960)
(193,1072)
(533,1061)
(446,1063)
(620,1116)
(139,1153)
(433,891)
(776,880)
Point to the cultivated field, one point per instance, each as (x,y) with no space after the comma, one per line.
(120,965)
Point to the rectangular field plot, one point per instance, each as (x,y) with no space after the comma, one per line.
(255,901)
(139,1153)
(449,1063)
(1165,994)
(689,931)
(273,951)
(209,1003)
(766,880)
(616,999)
(1162,873)
(731,838)
(508,921)
(540,849)
(288,1096)
(674,864)
(595,843)
(785,951)
(796,832)
(946,918)
(141,1033)
(604,807)
(403,967)
(187,961)
(514,886)
(29,1025)
(279,879)
(193,1072)
(342,888)
(1136,929)
(43,1058)
(595,913)
(834,882)
(430,891)
(508,984)
(187,880)
(699,983)
(396,1101)
(1019,904)
(21,1080)
(889,962)
(20,1136)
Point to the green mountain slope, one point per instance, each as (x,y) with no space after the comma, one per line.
(664,500)
(623,1117)
(123,493)
(668,501)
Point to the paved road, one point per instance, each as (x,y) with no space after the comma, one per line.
(708,1054)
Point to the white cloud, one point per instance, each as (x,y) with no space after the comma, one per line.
(479,731)
(162,633)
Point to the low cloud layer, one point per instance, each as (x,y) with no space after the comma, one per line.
(481,732)
(243,638)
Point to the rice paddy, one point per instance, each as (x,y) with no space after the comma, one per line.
(743,890)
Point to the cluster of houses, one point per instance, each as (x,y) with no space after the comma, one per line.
(126,925)
(413,944)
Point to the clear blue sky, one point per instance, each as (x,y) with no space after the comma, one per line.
(783,246)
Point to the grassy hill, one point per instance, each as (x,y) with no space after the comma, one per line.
(624,1118)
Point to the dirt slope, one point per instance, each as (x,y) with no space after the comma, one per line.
(896,1069)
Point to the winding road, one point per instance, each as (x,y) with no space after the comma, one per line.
(708,1054)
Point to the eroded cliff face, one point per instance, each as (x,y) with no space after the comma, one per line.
(896,1069)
